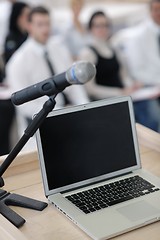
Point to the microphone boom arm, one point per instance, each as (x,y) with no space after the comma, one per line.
(7,198)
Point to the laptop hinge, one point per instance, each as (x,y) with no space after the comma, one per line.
(90,184)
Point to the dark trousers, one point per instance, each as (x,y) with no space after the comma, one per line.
(145,114)
(7,112)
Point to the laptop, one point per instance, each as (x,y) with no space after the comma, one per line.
(91,168)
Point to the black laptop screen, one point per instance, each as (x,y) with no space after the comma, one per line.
(87,143)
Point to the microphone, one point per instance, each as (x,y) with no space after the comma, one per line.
(79,73)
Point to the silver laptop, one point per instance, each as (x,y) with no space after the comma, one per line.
(91,168)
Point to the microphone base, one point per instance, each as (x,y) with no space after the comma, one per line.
(9,199)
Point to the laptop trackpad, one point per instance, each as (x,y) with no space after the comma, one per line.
(138,211)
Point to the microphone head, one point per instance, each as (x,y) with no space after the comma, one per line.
(81,72)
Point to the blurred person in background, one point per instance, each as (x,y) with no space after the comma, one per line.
(18,29)
(145,49)
(5,11)
(144,55)
(112,77)
(17,34)
(40,57)
(76,34)
(108,81)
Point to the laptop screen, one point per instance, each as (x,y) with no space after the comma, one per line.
(87,142)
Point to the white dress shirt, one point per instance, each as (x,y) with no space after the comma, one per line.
(144,54)
(28,66)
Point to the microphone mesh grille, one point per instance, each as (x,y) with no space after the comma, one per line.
(81,72)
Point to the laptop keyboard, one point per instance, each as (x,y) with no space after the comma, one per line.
(110,194)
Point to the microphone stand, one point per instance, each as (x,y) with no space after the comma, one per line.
(7,198)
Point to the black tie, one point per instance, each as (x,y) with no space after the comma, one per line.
(49,64)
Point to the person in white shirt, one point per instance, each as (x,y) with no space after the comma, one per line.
(29,66)
(145,49)
(143,53)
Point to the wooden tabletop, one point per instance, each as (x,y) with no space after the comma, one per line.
(24,177)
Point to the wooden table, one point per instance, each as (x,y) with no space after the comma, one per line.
(24,177)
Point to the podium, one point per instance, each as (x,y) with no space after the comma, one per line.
(24,177)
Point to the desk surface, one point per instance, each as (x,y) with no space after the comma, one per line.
(23,177)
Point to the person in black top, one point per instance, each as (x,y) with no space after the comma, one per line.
(108,70)
(108,81)
(18,25)
(112,79)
